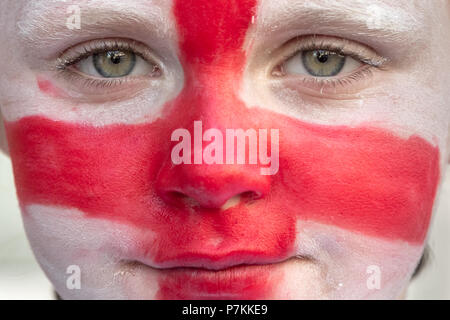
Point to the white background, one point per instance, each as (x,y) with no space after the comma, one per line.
(21,277)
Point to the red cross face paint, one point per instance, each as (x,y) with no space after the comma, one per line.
(346,199)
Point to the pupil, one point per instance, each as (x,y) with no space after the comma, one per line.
(322,56)
(115,56)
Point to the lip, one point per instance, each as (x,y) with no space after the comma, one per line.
(212,261)
(236,275)
(237,281)
(202,264)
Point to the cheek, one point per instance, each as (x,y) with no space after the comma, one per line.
(46,87)
(83,166)
(363,179)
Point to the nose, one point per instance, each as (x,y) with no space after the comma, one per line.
(211,186)
(212,77)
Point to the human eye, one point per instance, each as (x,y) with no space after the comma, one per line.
(107,63)
(326,64)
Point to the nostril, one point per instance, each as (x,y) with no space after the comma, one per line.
(177,195)
(250,196)
(244,197)
(181,199)
(232,202)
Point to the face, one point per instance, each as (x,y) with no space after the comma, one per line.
(120,134)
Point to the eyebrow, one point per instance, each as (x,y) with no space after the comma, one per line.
(406,21)
(44,21)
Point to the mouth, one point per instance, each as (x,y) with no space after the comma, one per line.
(219,279)
(208,268)
(213,261)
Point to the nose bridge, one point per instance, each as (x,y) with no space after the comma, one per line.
(211,50)
(211,98)
(211,95)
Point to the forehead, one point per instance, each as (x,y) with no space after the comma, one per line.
(401,14)
(351,5)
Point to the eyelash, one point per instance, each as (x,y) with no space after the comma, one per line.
(340,46)
(82,51)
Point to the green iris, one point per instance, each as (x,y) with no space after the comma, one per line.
(323,63)
(114,64)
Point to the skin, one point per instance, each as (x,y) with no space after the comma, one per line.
(361,161)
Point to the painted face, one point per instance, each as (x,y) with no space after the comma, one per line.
(342,99)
